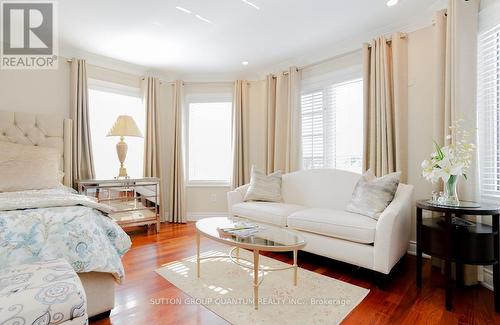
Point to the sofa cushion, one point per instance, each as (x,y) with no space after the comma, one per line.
(372,195)
(264,187)
(268,212)
(335,223)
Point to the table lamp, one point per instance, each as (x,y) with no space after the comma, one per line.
(124,127)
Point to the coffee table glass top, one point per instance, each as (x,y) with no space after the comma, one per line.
(265,236)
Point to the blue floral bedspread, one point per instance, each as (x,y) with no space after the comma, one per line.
(83,236)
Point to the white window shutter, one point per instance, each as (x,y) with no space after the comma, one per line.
(323,146)
(489,112)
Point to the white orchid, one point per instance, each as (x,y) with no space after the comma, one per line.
(451,160)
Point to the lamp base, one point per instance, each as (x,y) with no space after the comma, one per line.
(121,150)
(123,173)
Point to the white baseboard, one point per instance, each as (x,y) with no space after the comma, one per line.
(487,278)
(412,249)
(195,216)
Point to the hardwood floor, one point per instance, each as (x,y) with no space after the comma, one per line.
(400,303)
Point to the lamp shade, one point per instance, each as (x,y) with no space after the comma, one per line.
(125,126)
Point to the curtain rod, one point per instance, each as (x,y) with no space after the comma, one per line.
(195,82)
(184,82)
(389,40)
(403,36)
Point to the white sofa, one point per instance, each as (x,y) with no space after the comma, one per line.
(314,204)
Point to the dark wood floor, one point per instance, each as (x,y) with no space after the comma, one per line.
(400,303)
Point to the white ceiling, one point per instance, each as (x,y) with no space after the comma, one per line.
(156,35)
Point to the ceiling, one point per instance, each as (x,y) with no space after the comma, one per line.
(156,35)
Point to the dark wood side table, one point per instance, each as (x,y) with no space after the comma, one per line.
(477,244)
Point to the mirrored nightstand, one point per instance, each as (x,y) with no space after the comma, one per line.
(136,200)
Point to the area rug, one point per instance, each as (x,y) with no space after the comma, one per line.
(226,288)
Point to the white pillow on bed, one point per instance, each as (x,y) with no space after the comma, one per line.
(24,167)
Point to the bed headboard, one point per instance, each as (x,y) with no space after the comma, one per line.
(40,130)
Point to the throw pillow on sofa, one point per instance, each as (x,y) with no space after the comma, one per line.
(372,195)
(264,187)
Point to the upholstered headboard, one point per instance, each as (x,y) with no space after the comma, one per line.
(40,130)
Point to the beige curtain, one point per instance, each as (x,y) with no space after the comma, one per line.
(271,121)
(152,163)
(283,124)
(385,78)
(241,163)
(455,48)
(177,196)
(83,163)
(152,140)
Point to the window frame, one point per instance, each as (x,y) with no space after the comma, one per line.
(199,98)
(107,86)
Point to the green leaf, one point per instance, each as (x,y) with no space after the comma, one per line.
(465,176)
(438,150)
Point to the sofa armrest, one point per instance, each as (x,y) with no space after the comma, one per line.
(236,196)
(392,233)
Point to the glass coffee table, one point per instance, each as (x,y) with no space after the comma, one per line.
(265,238)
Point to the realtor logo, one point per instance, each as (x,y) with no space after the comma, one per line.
(28,35)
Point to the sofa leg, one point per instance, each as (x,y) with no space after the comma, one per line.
(381,280)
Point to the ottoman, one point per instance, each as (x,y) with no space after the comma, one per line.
(44,292)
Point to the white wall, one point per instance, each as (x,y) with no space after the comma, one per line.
(36,91)
(421,86)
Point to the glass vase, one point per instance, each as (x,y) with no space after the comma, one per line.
(450,190)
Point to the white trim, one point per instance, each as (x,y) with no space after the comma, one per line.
(487,278)
(489,15)
(195,216)
(106,86)
(318,80)
(213,97)
(412,249)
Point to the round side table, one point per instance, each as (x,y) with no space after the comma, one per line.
(477,244)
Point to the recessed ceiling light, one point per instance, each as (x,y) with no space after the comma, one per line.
(244,62)
(251,4)
(203,19)
(391,3)
(183,9)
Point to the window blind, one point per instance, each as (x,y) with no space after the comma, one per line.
(489,112)
(314,133)
(331,119)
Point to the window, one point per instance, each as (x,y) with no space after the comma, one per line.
(332,126)
(209,152)
(489,112)
(106,103)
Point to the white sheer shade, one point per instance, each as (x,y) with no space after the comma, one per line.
(125,126)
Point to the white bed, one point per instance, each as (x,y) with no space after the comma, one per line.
(56,132)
